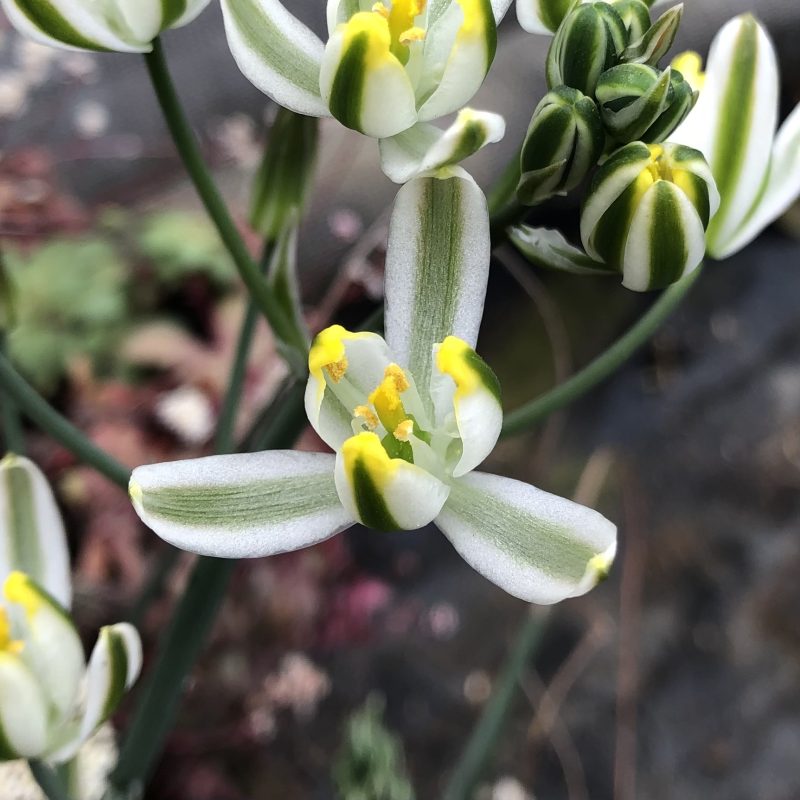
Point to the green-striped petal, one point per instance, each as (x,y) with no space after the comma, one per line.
(241,506)
(537,546)
(363,82)
(385,493)
(542,16)
(426,148)
(276,52)
(437,266)
(23,711)
(782,187)
(114,667)
(549,249)
(734,123)
(32,535)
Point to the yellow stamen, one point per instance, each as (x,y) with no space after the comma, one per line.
(690,65)
(386,397)
(414,34)
(367,416)
(404,431)
(380,8)
(397,375)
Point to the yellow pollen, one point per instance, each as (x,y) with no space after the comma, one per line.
(690,65)
(386,397)
(337,369)
(414,34)
(367,416)
(404,431)
(397,375)
(380,8)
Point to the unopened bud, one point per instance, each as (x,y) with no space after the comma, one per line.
(656,41)
(588,42)
(637,102)
(647,211)
(564,141)
(636,16)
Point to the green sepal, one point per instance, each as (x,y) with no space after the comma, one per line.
(636,16)
(656,41)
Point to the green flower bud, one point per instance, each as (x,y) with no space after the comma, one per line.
(646,213)
(588,42)
(637,102)
(283,180)
(655,42)
(636,16)
(564,141)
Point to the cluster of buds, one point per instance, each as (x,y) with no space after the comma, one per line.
(609,102)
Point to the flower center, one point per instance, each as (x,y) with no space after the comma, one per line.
(401,17)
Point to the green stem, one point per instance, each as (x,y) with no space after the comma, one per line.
(504,208)
(227,416)
(37,409)
(13,436)
(484,736)
(186,144)
(604,365)
(48,780)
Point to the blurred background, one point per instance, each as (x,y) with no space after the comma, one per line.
(679,677)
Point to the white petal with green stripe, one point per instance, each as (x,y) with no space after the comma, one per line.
(241,506)
(549,248)
(734,122)
(782,187)
(537,546)
(464,385)
(426,148)
(437,266)
(362,81)
(32,535)
(385,493)
(23,711)
(276,52)
(459,49)
(542,16)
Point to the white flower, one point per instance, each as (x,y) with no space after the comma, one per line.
(409,419)
(387,67)
(734,124)
(126,26)
(50,701)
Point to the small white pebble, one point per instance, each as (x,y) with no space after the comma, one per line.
(91,119)
(187,412)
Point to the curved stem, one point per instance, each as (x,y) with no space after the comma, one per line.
(48,780)
(604,365)
(13,437)
(187,147)
(484,737)
(37,409)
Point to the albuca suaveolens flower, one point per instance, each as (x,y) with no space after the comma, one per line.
(646,213)
(735,125)
(126,26)
(50,700)
(409,418)
(386,66)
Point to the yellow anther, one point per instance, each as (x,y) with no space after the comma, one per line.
(7,644)
(19,589)
(367,416)
(414,34)
(337,369)
(380,8)
(397,375)
(404,431)
(690,65)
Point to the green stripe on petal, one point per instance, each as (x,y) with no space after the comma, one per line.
(385,493)
(171,11)
(437,267)
(241,506)
(276,52)
(32,535)
(537,546)
(542,16)
(42,17)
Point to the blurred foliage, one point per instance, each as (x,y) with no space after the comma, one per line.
(79,297)
(69,300)
(371,765)
(179,244)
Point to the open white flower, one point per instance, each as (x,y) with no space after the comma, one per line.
(387,66)
(734,124)
(50,700)
(409,418)
(125,26)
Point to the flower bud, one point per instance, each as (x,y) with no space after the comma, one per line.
(636,16)
(647,211)
(564,141)
(637,102)
(588,42)
(283,180)
(654,43)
